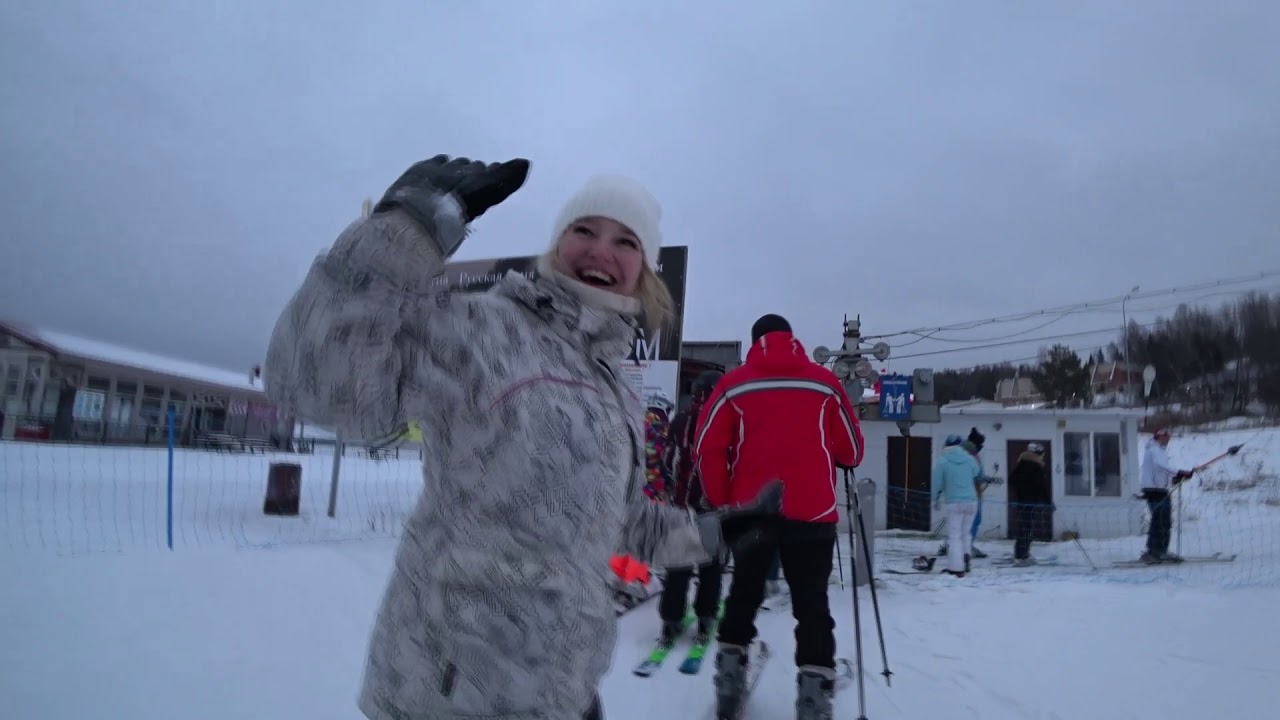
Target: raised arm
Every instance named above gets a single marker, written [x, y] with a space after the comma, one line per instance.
[369, 342]
[360, 339]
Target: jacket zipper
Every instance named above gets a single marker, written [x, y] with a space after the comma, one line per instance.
[631, 431]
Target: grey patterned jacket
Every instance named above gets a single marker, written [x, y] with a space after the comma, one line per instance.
[498, 605]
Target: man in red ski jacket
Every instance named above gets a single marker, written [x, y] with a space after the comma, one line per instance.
[779, 416]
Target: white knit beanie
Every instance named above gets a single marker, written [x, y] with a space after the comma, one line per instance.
[620, 199]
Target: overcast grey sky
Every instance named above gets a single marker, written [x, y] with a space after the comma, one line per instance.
[169, 172]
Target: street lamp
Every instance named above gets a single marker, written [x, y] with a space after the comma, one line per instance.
[1128, 376]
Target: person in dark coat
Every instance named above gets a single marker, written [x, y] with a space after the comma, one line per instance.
[1030, 484]
[685, 491]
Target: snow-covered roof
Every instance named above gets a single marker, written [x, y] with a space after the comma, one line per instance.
[66, 344]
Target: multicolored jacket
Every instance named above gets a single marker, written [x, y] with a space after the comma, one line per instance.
[657, 435]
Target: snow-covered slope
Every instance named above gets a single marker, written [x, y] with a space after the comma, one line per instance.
[217, 634]
[215, 630]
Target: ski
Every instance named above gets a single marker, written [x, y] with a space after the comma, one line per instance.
[661, 649]
[757, 658]
[1192, 559]
[891, 571]
[1047, 562]
[1007, 561]
[693, 659]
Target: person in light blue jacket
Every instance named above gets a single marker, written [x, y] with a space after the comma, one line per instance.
[976, 440]
[955, 483]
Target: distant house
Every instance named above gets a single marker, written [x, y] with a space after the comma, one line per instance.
[1017, 391]
[1111, 387]
[65, 388]
[1093, 456]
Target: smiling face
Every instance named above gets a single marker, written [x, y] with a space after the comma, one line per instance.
[602, 253]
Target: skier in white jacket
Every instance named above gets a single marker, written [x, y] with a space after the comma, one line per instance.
[497, 606]
[1158, 477]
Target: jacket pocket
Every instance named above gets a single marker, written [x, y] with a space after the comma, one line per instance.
[495, 664]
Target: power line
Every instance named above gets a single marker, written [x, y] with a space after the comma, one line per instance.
[1087, 306]
[979, 343]
[1042, 338]
[935, 338]
[1019, 361]
[1089, 350]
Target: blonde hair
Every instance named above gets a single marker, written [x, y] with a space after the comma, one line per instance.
[657, 306]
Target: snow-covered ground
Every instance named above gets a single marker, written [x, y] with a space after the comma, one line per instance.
[255, 617]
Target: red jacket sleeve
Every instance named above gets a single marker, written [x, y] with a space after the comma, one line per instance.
[844, 431]
[713, 443]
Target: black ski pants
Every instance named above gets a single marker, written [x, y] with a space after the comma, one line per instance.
[805, 551]
[675, 592]
[594, 712]
[1028, 518]
[1161, 506]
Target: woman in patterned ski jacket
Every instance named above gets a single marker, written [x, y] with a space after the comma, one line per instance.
[497, 605]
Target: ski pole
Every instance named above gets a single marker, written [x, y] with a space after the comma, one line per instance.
[1082, 550]
[1178, 547]
[857, 617]
[1234, 449]
[840, 564]
[1230, 452]
[871, 581]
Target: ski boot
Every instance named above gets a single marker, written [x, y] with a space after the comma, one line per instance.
[706, 627]
[730, 680]
[671, 632]
[1150, 558]
[815, 691]
[1024, 562]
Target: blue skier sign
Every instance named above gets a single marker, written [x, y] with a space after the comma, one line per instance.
[895, 397]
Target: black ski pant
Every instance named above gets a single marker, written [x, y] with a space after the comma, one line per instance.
[1161, 506]
[1028, 518]
[594, 712]
[805, 551]
[675, 592]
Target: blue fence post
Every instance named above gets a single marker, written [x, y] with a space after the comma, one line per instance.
[169, 511]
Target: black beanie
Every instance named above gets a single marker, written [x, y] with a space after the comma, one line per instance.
[977, 438]
[767, 324]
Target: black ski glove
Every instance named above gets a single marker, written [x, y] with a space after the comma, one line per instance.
[476, 186]
[767, 502]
